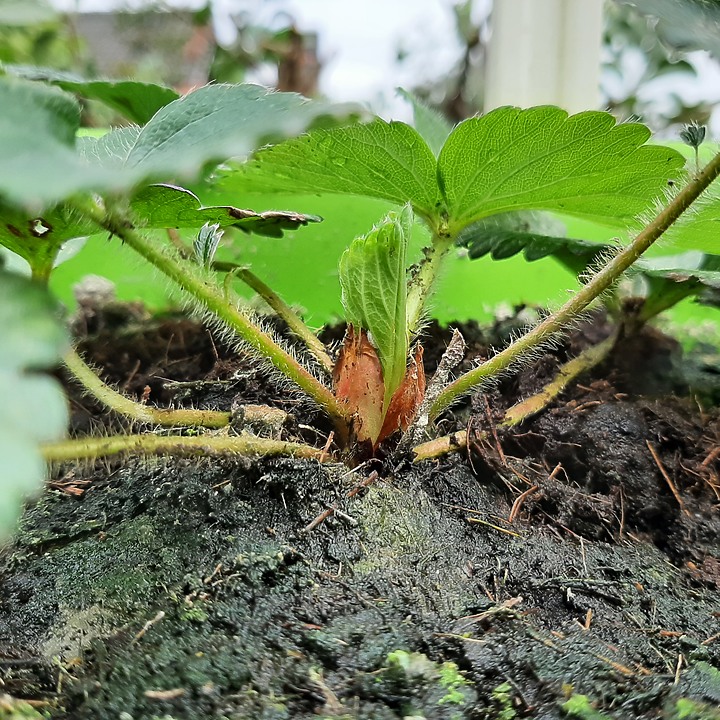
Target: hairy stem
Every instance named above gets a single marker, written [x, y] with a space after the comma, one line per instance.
[422, 283]
[279, 306]
[92, 448]
[212, 297]
[123, 405]
[570, 371]
[286, 313]
[598, 284]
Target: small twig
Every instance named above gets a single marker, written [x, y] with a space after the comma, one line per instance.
[451, 358]
[584, 557]
[493, 430]
[326, 447]
[329, 512]
[165, 695]
[714, 453]
[678, 668]
[519, 500]
[147, 626]
[440, 446]
[667, 477]
[479, 521]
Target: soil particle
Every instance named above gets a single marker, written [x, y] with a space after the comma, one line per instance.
[178, 589]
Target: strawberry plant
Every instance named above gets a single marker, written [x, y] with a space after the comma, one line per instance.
[130, 184]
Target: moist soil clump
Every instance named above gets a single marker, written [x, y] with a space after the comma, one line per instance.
[566, 568]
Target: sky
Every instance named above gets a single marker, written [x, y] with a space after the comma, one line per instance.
[358, 41]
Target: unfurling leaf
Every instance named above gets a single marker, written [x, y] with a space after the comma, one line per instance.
[374, 293]
[693, 135]
[372, 374]
[206, 243]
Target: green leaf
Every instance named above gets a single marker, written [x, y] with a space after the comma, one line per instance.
[699, 229]
[33, 409]
[580, 707]
[137, 101]
[667, 286]
[41, 165]
[374, 293]
[506, 235]
[583, 165]
[169, 206]
[379, 159]
[38, 238]
[431, 125]
[218, 122]
[37, 137]
[206, 244]
[109, 150]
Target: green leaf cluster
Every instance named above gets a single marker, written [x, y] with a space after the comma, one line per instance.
[510, 159]
[33, 408]
[42, 165]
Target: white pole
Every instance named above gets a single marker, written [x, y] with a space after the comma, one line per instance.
[545, 52]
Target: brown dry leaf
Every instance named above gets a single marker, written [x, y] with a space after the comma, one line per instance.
[358, 381]
[406, 399]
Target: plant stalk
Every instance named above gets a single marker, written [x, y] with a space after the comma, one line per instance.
[123, 405]
[286, 313]
[422, 283]
[440, 446]
[598, 284]
[279, 306]
[586, 360]
[92, 448]
[213, 299]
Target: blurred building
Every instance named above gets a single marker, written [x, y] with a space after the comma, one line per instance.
[168, 47]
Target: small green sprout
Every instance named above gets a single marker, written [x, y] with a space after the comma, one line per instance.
[206, 243]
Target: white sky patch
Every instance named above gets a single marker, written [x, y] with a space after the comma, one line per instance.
[358, 41]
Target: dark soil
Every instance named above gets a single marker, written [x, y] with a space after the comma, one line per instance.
[171, 588]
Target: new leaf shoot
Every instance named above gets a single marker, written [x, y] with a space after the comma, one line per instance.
[374, 293]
